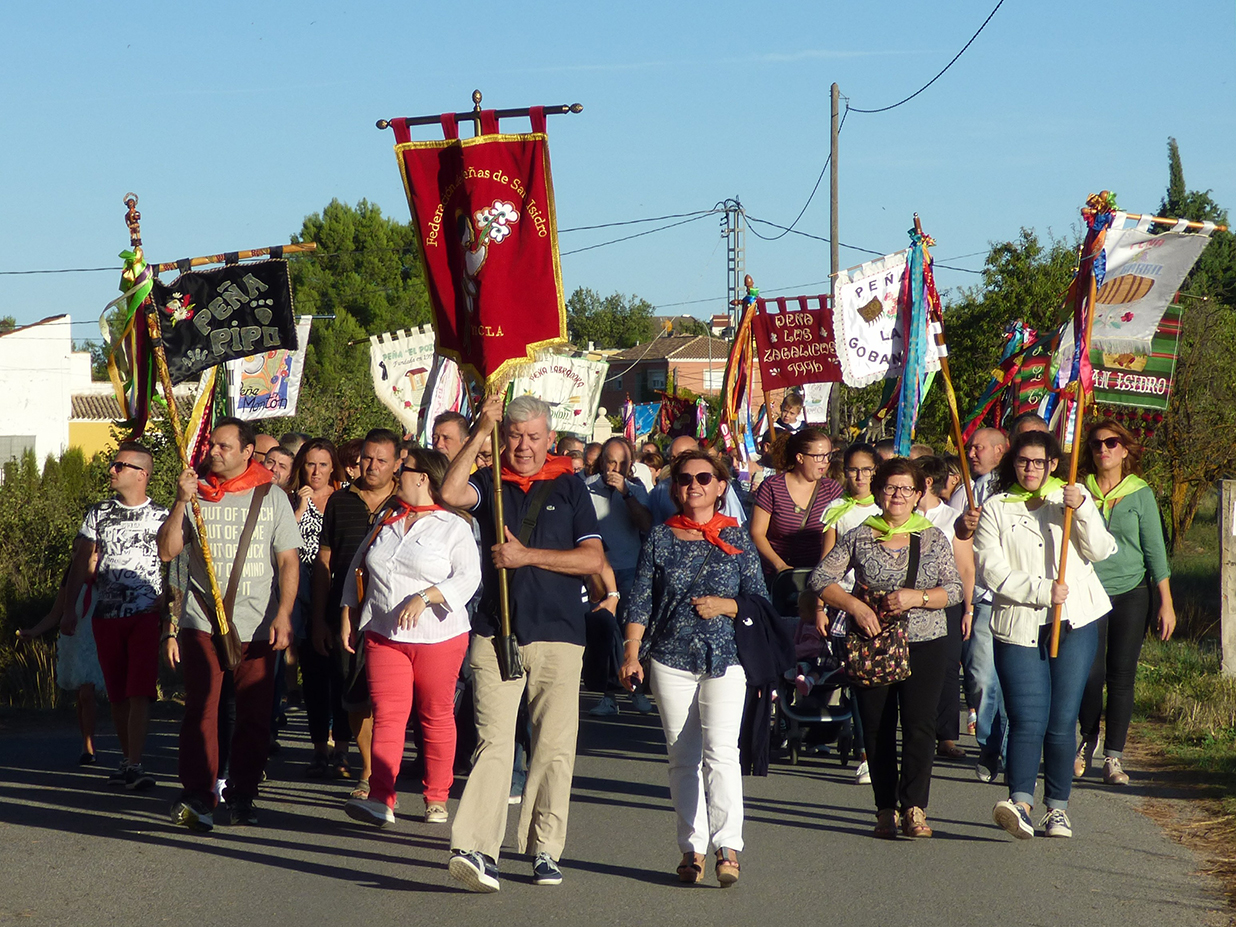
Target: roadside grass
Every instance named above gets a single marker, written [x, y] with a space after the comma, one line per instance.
[1181, 691]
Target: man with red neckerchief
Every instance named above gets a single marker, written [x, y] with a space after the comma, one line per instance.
[547, 618]
[261, 617]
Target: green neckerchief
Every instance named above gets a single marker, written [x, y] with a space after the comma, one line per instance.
[883, 530]
[1020, 494]
[1126, 487]
[833, 513]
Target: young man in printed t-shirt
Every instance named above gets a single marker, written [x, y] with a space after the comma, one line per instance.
[261, 618]
[128, 596]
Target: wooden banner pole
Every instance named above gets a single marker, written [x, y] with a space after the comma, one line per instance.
[508, 647]
[951, 396]
[133, 221]
[303, 248]
[1074, 457]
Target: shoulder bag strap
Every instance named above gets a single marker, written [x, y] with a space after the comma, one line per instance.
[535, 504]
[810, 505]
[242, 548]
[916, 545]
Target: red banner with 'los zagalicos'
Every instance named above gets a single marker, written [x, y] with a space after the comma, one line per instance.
[483, 208]
[794, 342]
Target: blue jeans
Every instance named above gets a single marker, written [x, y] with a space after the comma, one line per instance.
[1042, 696]
[983, 687]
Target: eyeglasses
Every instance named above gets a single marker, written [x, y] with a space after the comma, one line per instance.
[859, 471]
[118, 465]
[1110, 443]
[1031, 463]
[819, 458]
[899, 490]
[686, 479]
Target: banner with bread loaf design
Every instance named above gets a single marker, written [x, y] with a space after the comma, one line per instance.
[1143, 272]
[868, 321]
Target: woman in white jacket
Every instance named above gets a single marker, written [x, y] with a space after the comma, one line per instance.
[1017, 549]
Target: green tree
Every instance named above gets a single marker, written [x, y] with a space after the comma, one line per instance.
[1022, 279]
[615, 321]
[7, 324]
[367, 274]
[1194, 444]
[690, 325]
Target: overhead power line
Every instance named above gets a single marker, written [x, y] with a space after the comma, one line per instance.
[885, 109]
[662, 228]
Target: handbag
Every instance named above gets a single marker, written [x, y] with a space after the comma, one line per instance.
[229, 646]
[884, 658]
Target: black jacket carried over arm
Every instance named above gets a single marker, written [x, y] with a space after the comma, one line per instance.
[766, 649]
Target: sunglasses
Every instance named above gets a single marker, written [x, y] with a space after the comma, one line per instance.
[1110, 443]
[686, 479]
[119, 465]
[410, 470]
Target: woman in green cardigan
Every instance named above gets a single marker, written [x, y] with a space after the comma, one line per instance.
[1113, 459]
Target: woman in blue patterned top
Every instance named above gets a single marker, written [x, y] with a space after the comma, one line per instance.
[681, 617]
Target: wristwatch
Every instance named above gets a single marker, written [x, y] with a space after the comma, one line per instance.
[424, 597]
[613, 595]
[924, 598]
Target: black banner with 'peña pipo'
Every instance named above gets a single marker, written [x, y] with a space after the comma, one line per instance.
[219, 315]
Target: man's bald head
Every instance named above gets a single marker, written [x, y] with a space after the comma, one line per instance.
[682, 443]
[261, 445]
[986, 449]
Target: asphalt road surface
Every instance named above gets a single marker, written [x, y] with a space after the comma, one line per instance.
[75, 853]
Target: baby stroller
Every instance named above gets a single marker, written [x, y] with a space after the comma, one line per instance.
[813, 702]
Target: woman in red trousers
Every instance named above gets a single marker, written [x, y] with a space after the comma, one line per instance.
[418, 569]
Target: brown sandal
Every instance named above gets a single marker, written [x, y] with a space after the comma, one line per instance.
[691, 869]
[914, 823]
[886, 824]
[727, 867]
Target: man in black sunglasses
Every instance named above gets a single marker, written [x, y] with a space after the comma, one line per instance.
[129, 601]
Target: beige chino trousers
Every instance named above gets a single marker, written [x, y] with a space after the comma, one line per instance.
[551, 677]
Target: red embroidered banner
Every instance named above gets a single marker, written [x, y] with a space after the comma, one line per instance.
[484, 212]
[795, 342]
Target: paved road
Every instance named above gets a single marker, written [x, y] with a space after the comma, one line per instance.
[74, 853]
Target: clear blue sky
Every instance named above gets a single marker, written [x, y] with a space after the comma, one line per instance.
[236, 120]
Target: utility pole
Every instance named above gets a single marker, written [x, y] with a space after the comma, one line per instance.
[734, 231]
[834, 251]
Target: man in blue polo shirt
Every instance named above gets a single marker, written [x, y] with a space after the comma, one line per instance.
[547, 618]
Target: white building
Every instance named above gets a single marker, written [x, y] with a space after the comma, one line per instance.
[36, 386]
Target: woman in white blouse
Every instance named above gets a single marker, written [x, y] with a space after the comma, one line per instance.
[1017, 548]
[418, 569]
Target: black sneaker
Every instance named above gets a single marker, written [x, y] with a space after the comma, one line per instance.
[545, 871]
[319, 767]
[138, 780]
[242, 811]
[476, 871]
[120, 778]
[191, 813]
[86, 759]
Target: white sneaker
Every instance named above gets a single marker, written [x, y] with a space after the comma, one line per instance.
[1056, 823]
[220, 785]
[862, 775]
[604, 708]
[1013, 818]
[369, 812]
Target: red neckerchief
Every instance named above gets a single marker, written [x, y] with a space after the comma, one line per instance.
[402, 510]
[555, 466]
[212, 489]
[711, 529]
